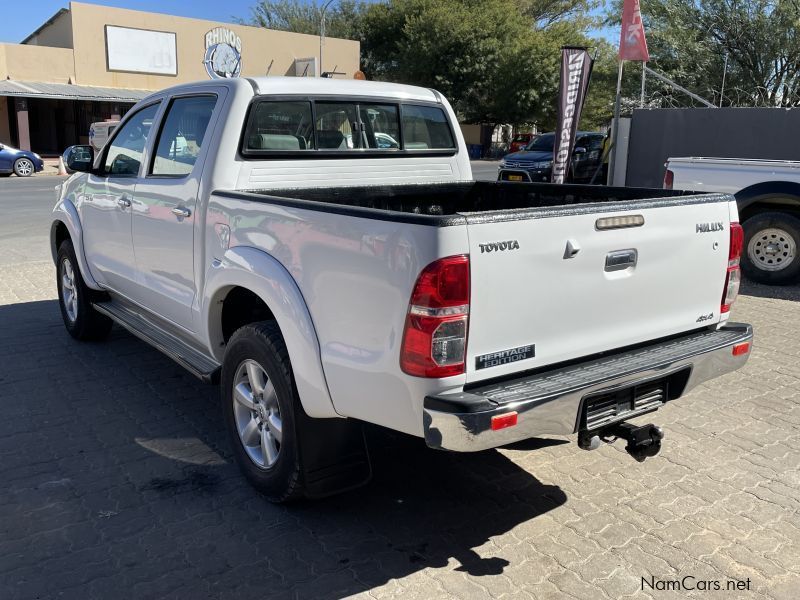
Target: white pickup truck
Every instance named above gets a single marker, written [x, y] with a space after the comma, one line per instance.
[768, 196]
[327, 278]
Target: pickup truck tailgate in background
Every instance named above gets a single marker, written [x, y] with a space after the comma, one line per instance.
[550, 286]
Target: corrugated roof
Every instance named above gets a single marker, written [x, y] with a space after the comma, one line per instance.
[36, 89]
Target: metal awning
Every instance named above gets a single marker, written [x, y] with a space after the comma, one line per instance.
[66, 91]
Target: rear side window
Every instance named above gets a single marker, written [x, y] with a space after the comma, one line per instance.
[182, 134]
[426, 128]
[280, 126]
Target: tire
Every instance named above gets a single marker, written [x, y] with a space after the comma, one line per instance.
[771, 244]
[24, 167]
[75, 299]
[256, 359]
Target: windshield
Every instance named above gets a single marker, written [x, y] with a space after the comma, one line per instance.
[542, 143]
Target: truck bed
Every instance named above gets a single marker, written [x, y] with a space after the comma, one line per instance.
[450, 199]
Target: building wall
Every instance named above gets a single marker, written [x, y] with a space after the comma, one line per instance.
[56, 34]
[259, 47]
[36, 63]
[5, 131]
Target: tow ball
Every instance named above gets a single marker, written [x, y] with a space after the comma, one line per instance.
[643, 441]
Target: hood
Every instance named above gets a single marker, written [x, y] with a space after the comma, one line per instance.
[536, 155]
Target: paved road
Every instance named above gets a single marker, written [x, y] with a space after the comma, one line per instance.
[25, 206]
[117, 481]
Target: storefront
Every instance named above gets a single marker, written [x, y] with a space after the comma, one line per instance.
[91, 63]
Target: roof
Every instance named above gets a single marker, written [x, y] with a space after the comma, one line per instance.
[50, 21]
[346, 87]
[67, 91]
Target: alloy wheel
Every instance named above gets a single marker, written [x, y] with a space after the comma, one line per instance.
[257, 414]
[69, 292]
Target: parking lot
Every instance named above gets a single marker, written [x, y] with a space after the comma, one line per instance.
[117, 480]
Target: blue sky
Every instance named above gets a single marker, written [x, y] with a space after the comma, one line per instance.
[15, 25]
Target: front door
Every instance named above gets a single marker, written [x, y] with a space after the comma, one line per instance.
[109, 196]
[164, 214]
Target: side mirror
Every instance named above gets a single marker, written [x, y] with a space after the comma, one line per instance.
[579, 150]
[79, 158]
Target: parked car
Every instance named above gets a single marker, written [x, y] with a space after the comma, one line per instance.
[768, 196]
[535, 162]
[100, 131]
[520, 141]
[22, 163]
[324, 286]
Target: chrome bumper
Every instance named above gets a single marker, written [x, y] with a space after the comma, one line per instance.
[551, 402]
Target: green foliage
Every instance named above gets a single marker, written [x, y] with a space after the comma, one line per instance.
[497, 61]
[690, 39]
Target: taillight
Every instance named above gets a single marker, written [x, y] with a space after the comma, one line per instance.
[734, 275]
[669, 178]
[435, 336]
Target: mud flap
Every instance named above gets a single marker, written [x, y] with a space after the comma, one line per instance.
[334, 455]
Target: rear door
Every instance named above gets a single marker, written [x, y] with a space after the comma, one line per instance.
[564, 283]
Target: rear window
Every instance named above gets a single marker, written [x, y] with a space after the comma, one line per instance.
[277, 127]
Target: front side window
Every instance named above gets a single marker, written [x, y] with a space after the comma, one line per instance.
[124, 155]
[426, 128]
[280, 126]
[182, 134]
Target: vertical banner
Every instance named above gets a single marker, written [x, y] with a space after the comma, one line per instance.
[576, 69]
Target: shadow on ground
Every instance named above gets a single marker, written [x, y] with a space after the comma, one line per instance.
[117, 476]
[779, 292]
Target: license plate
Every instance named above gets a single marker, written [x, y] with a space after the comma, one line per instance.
[515, 177]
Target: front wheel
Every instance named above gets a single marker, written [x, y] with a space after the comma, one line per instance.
[82, 321]
[23, 167]
[771, 241]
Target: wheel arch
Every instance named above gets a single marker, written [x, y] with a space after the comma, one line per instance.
[66, 224]
[247, 277]
[768, 195]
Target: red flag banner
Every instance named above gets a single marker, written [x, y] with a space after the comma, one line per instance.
[632, 44]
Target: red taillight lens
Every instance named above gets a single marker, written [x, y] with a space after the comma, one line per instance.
[734, 275]
[740, 349]
[669, 178]
[435, 336]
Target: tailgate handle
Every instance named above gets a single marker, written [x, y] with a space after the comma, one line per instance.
[621, 259]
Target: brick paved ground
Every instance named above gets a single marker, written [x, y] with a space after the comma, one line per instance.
[116, 482]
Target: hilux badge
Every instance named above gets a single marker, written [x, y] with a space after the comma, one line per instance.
[708, 227]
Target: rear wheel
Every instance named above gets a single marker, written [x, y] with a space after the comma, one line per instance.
[771, 246]
[82, 321]
[260, 403]
[23, 167]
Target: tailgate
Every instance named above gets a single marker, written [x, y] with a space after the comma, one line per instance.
[549, 286]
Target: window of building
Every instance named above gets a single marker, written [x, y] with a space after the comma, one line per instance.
[182, 134]
[280, 126]
[124, 154]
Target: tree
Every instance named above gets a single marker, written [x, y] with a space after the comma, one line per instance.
[497, 61]
[689, 41]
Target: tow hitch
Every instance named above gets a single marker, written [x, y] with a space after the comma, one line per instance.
[642, 441]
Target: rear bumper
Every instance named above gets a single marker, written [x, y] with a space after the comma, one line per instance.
[551, 402]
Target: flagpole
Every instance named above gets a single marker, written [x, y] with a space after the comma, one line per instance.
[644, 73]
[615, 128]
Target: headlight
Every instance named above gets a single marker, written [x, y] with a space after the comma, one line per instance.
[37, 156]
[502, 162]
[543, 165]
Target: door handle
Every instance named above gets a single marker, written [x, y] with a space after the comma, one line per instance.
[123, 201]
[181, 212]
[621, 259]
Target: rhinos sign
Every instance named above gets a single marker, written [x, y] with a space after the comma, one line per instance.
[223, 53]
[576, 69]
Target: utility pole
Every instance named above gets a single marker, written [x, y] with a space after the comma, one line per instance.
[322, 32]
